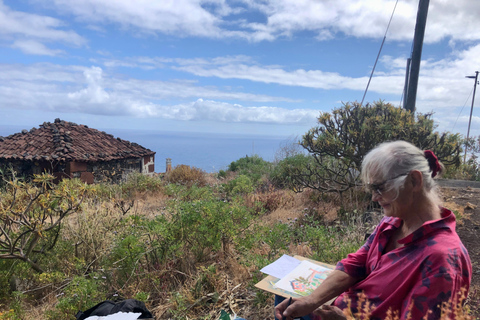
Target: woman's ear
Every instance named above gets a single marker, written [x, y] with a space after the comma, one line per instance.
[416, 180]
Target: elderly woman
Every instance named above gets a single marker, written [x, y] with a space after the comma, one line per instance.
[413, 261]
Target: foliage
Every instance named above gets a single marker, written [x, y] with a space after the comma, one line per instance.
[253, 167]
[275, 237]
[470, 168]
[193, 193]
[138, 182]
[287, 171]
[209, 226]
[182, 249]
[81, 293]
[241, 185]
[222, 174]
[31, 215]
[344, 136]
[270, 200]
[186, 175]
[328, 242]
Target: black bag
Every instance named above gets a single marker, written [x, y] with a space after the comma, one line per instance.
[108, 307]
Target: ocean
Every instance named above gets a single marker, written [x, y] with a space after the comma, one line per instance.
[207, 151]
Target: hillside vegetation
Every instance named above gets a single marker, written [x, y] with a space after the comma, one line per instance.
[186, 250]
[190, 244]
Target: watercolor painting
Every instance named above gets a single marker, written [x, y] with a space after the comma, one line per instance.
[304, 279]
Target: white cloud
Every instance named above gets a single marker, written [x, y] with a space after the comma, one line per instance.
[366, 19]
[94, 93]
[89, 90]
[28, 31]
[283, 18]
[226, 112]
[456, 20]
[242, 68]
[35, 47]
[179, 17]
[442, 82]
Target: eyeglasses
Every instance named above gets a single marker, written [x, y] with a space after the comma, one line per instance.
[379, 188]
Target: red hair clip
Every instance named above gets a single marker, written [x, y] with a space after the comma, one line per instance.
[432, 162]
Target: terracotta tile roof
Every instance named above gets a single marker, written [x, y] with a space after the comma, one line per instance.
[67, 141]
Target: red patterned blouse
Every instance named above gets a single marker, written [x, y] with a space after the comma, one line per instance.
[431, 267]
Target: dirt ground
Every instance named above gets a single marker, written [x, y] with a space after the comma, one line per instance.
[466, 202]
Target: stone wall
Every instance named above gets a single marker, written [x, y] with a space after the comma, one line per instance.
[101, 171]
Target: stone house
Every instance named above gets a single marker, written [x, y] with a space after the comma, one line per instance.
[69, 150]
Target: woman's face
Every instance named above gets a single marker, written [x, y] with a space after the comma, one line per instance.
[394, 204]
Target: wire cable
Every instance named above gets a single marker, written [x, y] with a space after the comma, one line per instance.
[460, 113]
[378, 56]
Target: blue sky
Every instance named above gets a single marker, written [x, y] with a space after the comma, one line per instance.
[220, 66]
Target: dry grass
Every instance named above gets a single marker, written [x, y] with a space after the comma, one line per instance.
[150, 205]
[453, 309]
[187, 289]
[473, 300]
[186, 175]
[271, 199]
[295, 205]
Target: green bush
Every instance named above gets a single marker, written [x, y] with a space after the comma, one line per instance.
[286, 172]
[209, 226]
[277, 237]
[222, 174]
[253, 167]
[80, 294]
[241, 185]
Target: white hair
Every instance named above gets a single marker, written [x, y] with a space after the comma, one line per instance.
[394, 159]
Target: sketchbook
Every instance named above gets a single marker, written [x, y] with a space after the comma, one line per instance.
[300, 281]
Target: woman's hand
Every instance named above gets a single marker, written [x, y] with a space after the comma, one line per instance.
[329, 313]
[297, 308]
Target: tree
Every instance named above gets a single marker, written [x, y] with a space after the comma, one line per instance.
[31, 215]
[344, 136]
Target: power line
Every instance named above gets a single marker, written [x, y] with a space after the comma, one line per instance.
[378, 56]
[460, 113]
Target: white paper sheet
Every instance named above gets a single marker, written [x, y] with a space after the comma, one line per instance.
[281, 267]
[117, 316]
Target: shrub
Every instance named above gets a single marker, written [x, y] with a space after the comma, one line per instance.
[277, 237]
[80, 294]
[209, 226]
[187, 176]
[137, 182]
[222, 174]
[253, 167]
[31, 215]
[287, 171]
[470, 168]
[241, 185]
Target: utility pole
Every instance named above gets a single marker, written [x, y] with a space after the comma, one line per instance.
[411, 93]
[407, 77]
[471, 111]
